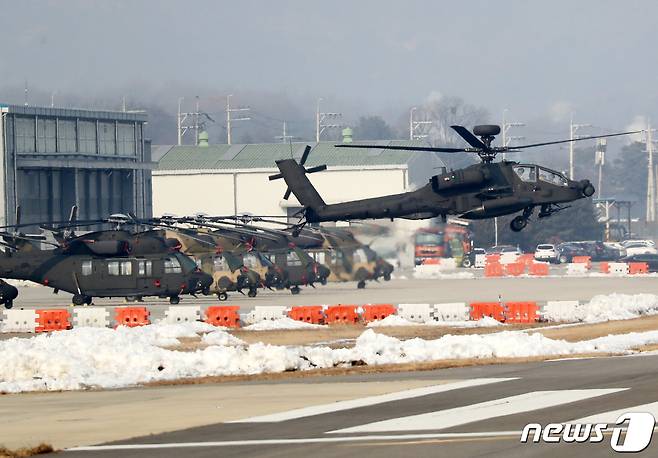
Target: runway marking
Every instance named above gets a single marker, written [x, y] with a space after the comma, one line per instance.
[611, 416]
[482, 411]
[310, 440]
[370, 400]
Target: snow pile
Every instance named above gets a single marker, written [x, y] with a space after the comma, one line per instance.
[426, 271]
[281, 324]
[613, 307]
[220, 337]
[392, 320]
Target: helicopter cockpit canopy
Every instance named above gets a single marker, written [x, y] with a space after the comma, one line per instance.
[530, 173]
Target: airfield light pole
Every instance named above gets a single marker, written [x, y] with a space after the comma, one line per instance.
[229, 119]
[651, 183]
[599, 159]
[324, 121]
[573, 135]
[285, 137]
[415, 125]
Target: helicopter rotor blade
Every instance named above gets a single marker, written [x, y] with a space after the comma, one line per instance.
[307, 151]
[533, 145]
[471, 139]
[430, 149]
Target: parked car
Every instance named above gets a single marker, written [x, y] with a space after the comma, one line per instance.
[634, 247]
[500, 249]
[650, 258]
[568, 250]
[546, 252]
[469, 258]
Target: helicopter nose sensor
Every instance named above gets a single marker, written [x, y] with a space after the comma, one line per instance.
[587, 188]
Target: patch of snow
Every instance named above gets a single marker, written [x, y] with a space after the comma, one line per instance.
[221, 338]
[612, 307]
[281, 324]
[392, 320]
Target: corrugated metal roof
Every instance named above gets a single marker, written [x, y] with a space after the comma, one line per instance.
[139, 116]
[263, 155]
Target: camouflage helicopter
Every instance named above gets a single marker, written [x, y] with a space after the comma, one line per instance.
[107, 263]
[479, 191]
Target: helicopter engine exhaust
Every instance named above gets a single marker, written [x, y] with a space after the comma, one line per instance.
[458, 179]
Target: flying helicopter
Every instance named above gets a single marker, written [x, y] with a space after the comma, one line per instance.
[480, 191]
[106, 263]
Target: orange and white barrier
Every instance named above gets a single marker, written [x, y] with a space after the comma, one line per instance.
[19, 320]
[182, 314]
[132, 316]
[417, 313]
[91, 317]
[267, 313]
[451, 311]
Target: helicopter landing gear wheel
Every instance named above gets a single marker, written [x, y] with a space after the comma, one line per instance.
[323, 281]
[173, 300]
[88, 300]
[78, 299]
[9, 304]
[205, 291]
[295, 290]
[387, 277]
[222, 296]
[252, 292]
[518, 224]
[361, 284]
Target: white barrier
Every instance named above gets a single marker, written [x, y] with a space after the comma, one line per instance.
[91, 317]
[418, 313]
[19, 321]
[618, 268]
[559, 310]
[577, 268]
[508, 258]
[182, 314]
[266, 313]
[452, 311]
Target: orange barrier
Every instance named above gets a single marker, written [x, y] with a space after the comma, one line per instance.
[583, 260]
[515, 269]
[307, 313]
[223, 315]
[539, 269]
[341, 314]
[491, 258]
[52, 320]
[527, 259]
[374, 312]
[638, 268]
[131, 316]
[605, 267]
[431, 261]
[520, 312]
[493, 269]
[493, 309]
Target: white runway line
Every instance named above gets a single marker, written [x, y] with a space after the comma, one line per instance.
[369, 401]
[482, 411]
[611, 416]
[311, 440]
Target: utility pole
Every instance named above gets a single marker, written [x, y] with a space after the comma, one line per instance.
[285, 137]
[573, 135]
[414, 126]
[186, 121]
[651, 183]
[599, 159]
[505, 130]
[325, 121]
[229, 119]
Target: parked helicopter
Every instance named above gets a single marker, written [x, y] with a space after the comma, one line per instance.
[479, 191]
[110, 263]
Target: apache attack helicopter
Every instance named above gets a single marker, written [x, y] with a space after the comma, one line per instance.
[110, 263]
[479, 191]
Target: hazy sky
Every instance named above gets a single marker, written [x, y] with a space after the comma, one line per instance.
[539, 59]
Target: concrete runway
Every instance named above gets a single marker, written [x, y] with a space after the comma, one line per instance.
[483, 420]
[396, 291]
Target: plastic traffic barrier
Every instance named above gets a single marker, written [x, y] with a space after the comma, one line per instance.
[491, 258]
[131, 316]
[266, 313]
[638, 268]
[538, 269]
[618, 268]
[91, 317]
[418, 313]
[587, 260]
[19, 320]
[520, 312]
[605, 267]
[576, 268]
[223, 315]
[341, 314]
[494, 310]
[493, 269]
[451, 311]
[307, 313]
[527, 258]
[53, 320]
[515, 269]
[182, 314]
[374, 312]
[559, 310]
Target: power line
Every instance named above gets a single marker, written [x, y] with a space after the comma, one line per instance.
[415, 126]
[323, 121]
[230, 119]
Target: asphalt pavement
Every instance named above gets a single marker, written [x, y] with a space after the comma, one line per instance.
[480, 414]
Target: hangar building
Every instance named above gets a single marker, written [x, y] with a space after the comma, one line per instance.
[233, 179]
[53, 158]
